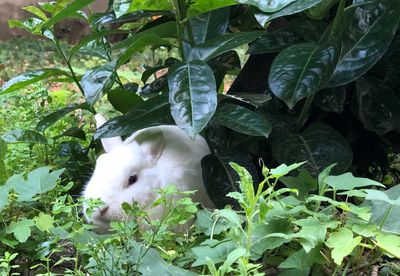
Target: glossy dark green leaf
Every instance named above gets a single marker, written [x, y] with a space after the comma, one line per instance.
[75, 132]
[155, 111]
[55, 116]
[97, 81]
[319, 11]
[203, 6]
[255, 100]
[28, 78]
[123, 100]
[109, 17]
[295, 7]
[69, 10]
[24, 136]
[209, 25]
[75, 160]
[319, 145]
[369, 28]
[309, 30]
[378, 105]
[268, 6]
[331, 99]
[242, 120]
[192, 95]
[221, 44]
[150, 71]
[220, 179]
[302, 70]
[274, 42]
[121, 7]
[151, 89]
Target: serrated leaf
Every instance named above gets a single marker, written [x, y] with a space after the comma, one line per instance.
[24, 136]
[389, 243]
[97, 81]
[302, 70]
[342, 244]
[31, 77]
[348, 182]
[242, 120]
[20, 229]
[192, 95]
[369, 28]
[319, 144]
[44, 222]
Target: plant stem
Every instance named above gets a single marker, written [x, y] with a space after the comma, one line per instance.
[179, 18]
[304, 113]
[69, 67]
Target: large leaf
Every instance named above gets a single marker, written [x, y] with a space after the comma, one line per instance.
[28, 78]
[24, 136]
[302, 70]
[202, 6]
[274, 42]
[342, 244]
[369, 28]
[268, 6]
[331, 99]
[243, 120]
[69, 10]
[20, 229]
[389, 243]
[209, 25]
[221, 44]
[123, 100]
[97, 81]
[348, 182]
[295, 7]
[150, 5]
[192, 95]
[378, 105]
[319, 144]
[154, 111]
[55, 116]
[385, 209]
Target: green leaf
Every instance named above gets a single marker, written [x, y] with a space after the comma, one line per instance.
[331, 99]
[67, 11]
[73, 132]
[152, 112]
[302, 70]
[39, 181]
[21, 229]
[284, 169]
[209, 25]
[319, 144]
[242, 120]
[385, 209]
[121, 7]
[322, 176]
[44, 222]
[31, 77]
[205, 222]
[369, 28]
[295, 7]
[274, 41]
[221, 44]
[342, 243]
[151, 5]
[36, 11]
[303, 182]
[389, 243]
[216, 250]
[318, 12]
[302, 260]
[268, 6]
[193, 95]
[202, 6]
[123, 100]
[348, 182]
[24, 136]
[55, 116]
[97, 81]
[378, 105]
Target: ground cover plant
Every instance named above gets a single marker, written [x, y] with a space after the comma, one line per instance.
[319, 84]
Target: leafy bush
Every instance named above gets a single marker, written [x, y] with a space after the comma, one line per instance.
[319, 85]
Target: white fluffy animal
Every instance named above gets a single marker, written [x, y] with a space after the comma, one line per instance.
[149, 159]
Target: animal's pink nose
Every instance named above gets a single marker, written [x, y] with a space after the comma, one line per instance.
[103, 211]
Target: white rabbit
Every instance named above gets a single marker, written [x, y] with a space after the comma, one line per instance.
[149, 159]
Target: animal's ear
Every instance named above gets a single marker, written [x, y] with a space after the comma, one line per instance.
[152, 142]
[108, 143]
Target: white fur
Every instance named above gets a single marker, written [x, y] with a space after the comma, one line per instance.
[159, 156]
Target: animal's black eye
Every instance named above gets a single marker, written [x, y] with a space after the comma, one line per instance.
[132, 179]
